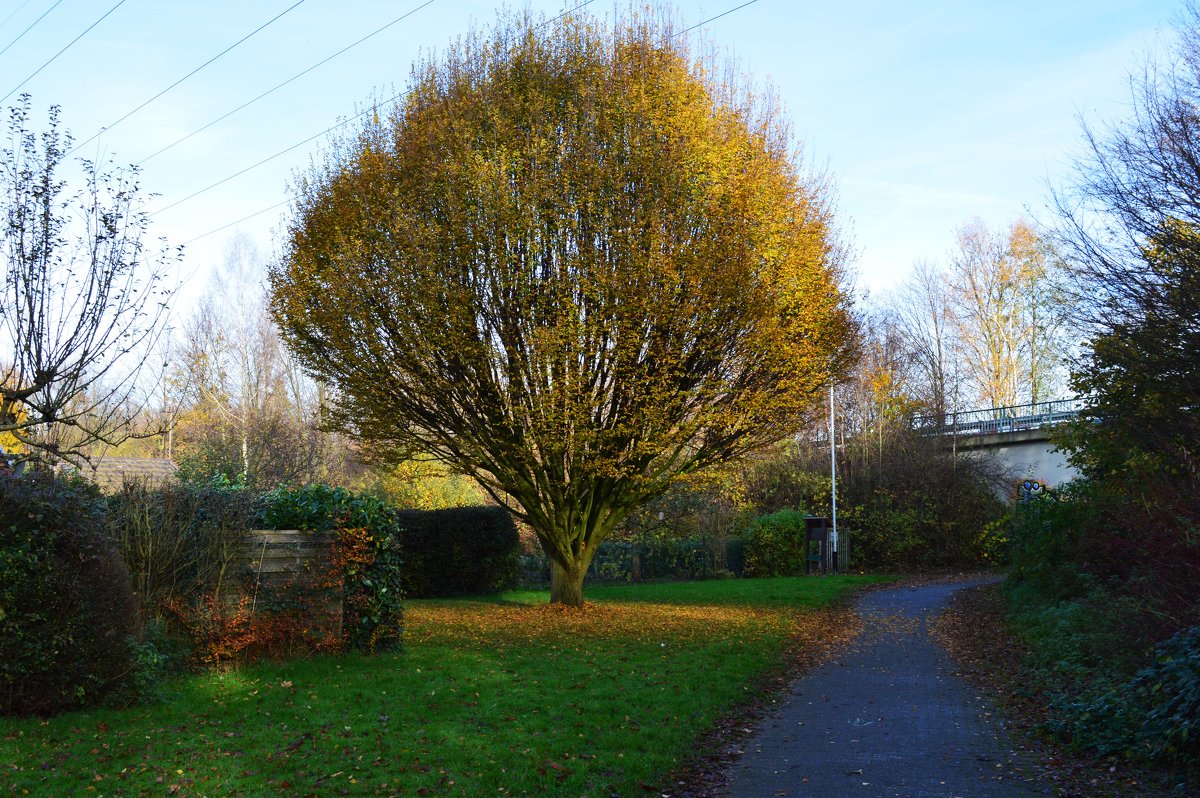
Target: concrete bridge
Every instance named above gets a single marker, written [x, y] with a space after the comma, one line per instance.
[1019, 436]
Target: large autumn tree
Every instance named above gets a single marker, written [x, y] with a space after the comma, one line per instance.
[574, 262]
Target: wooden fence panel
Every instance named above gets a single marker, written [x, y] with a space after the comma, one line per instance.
[287, 559]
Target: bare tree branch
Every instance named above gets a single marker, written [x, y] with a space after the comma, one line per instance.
[83, 299]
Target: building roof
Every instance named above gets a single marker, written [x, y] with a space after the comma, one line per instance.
[111, 472]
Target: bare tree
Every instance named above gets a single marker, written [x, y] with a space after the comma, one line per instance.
[923, 315]
[1130, 230]
[248, 411]
[83, 300]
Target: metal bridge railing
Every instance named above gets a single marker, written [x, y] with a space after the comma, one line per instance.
[1001, 419]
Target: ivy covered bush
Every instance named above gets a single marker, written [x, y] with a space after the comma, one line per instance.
[1154, 716]
[368, 556]
[67, 611]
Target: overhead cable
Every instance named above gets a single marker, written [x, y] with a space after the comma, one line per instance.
[347, 121]
[364, 113]
[63, 50]
[15, 11]
[310, 139]
[95, 135]
[236, 221]
[35, 22]
[702, 23]
[278, 86]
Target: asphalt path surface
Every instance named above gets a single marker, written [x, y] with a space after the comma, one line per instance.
[887, 718]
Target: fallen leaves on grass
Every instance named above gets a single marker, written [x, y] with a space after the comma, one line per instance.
[516, 624]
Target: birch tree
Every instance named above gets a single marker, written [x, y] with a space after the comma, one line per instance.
[1008, 314]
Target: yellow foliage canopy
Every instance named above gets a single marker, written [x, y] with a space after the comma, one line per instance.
[573, 264]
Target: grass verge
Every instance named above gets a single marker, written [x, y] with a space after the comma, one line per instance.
[501, 696]
[976, 631]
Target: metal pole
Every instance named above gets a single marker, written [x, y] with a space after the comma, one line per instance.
[833, 535]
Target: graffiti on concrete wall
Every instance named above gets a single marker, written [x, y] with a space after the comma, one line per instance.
[1030, 489]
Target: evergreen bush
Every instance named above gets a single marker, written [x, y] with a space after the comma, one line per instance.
[775, 545]
[369, 556]
[67, 611]
[459, 551]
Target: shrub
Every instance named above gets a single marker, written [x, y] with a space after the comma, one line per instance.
[912, 505]
[180, 540]
[775, 544]
[1093, 584]
[623, 562]
[1171, 687]
[1154, 716]
[368, 556]
[735, 555]
[282, 623]
[619, 561]
[677, 559]
[67, 612]
[459, 551]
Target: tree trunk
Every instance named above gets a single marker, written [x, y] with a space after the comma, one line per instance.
[566, 584]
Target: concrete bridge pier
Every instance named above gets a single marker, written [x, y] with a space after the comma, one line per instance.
[1018, 436]
[1028, 456]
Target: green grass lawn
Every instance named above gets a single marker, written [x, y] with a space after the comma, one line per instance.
[498, 696]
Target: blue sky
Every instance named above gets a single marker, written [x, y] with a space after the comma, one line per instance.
[927, 113]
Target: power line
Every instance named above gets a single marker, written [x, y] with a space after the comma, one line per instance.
[324, 132]
[95, 135]
[15, 11]
[270, 158]
[718, 16]
[63, 50]
[275, 88]
[237, 221]
[568, 11]
[347, 121]
[35, 22]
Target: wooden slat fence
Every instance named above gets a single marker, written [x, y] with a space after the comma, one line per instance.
[286, 559]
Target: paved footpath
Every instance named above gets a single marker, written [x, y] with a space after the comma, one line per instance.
[888, 718]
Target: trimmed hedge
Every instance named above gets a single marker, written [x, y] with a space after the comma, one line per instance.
[623, 562]
[775, 545]
[458, 551]
[67, 611]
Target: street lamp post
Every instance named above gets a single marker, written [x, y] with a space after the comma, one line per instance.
[833, 534]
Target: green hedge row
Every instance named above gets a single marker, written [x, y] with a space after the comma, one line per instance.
[458, 551]
[622, 562]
